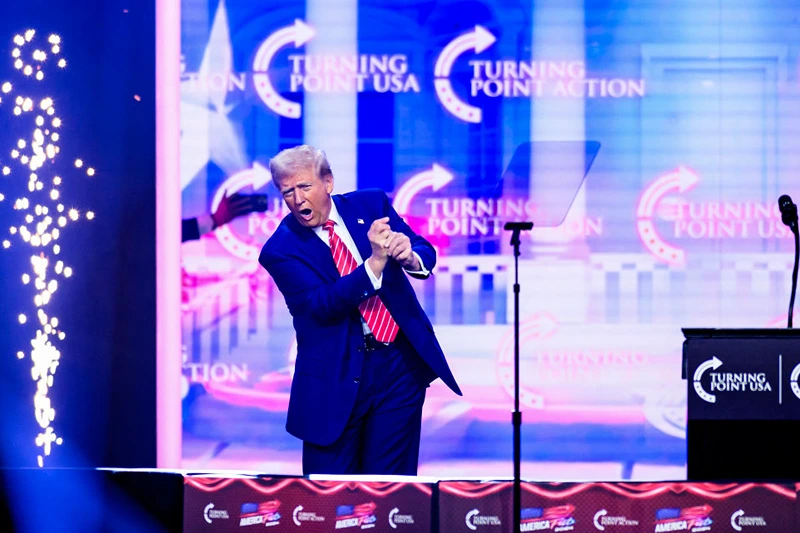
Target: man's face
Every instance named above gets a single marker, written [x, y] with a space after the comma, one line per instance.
[307, 197]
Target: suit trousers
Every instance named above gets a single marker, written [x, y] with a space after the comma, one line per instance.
[383, 432]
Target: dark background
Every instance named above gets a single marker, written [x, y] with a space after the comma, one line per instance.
[104, 389]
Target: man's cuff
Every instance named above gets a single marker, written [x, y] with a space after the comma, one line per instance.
[376, 282]
[424, 272]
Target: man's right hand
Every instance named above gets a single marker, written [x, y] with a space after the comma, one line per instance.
[378, 234]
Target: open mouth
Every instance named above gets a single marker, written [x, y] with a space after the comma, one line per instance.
[306, 213]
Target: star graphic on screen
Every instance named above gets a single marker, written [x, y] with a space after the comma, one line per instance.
[207, 132]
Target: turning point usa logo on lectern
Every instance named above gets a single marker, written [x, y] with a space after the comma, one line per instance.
[746, 384]
[728, 381]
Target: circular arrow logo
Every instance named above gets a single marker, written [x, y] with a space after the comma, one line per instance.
[698, 376]
[534, 328]
[680, 180]
[210, 514]
[298, 33]
[478, 40]
[600, 514]
[435, 178]
[468, 519]
[257, 177]
[795, 376]
[734, 524]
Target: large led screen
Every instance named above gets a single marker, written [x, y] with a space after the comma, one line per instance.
[647, 141]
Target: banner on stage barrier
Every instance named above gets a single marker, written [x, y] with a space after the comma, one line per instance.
[618, 507]
[675, 225]
[221, 504]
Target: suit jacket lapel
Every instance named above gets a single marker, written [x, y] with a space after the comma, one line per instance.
[311, 247]
[357, 225]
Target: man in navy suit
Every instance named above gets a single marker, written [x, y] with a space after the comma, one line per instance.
[366, 351]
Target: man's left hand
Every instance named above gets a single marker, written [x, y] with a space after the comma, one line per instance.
[399, 248]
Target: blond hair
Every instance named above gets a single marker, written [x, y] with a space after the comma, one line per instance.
[293, 161]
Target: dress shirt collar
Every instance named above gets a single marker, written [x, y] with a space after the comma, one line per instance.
[333, 215]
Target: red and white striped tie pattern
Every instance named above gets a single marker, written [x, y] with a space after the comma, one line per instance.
[375, 314]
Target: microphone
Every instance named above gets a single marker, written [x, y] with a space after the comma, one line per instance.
[524, 226]
[515, 228]
[789, 217]
[788, 212]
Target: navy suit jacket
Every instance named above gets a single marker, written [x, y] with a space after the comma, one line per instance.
[324, 308]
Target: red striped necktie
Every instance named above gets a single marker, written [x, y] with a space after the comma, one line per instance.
[375, 314]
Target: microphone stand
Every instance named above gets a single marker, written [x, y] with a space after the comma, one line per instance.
[793, 226]
[516, 415]
[789, 217]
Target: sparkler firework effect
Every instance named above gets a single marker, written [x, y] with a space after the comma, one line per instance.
[39, 216]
